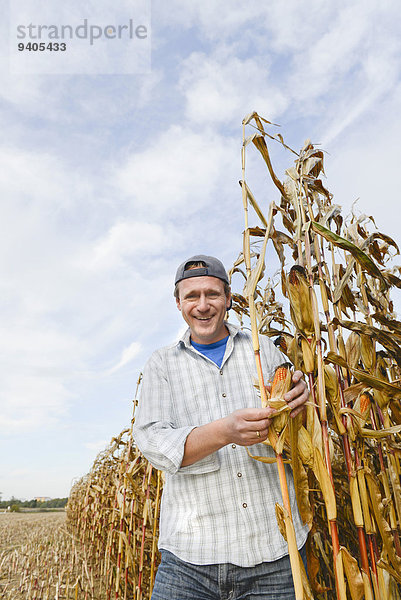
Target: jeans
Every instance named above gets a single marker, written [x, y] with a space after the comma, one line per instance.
[179, 580]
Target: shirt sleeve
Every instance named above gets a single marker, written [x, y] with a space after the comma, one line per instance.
[156, 434]
[272, 357]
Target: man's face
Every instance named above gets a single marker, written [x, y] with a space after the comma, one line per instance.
[203, 305]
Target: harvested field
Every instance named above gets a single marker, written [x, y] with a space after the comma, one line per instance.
[39, 559]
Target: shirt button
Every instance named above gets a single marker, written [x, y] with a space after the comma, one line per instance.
[245, 505]
[233, 446]
[221, 372]
[239, 474]
[224, 395]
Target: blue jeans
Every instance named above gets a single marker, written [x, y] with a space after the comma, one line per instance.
[179, 580]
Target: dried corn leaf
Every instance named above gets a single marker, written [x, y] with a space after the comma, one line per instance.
[365, 378]
[392, 324]
[254, 204]
[257, 272]
[383, 526]
[353, 349]
[353, 574]
[287, 530]
[260, 144]
[377, 235]
[363, 259]
[385, 338]
[319, 469]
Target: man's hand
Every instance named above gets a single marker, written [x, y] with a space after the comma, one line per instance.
[298, 394]
[248, 426]
[244, 427]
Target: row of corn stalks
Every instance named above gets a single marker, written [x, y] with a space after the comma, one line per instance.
[113, 514]
[333, 317]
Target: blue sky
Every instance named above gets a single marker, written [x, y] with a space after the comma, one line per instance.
[110, 181]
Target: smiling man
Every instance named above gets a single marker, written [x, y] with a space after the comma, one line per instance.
[203, 301]
[198, 412]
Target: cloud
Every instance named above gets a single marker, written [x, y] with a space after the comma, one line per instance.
[86, 52]
[178, 173]
[281, 28]
[222, 88]
[284, 60]
[380, 71]
[38, 179]
[232, 20]
[349, 68]
[32, 401]
[126, 240]
[40, 351]
[363, 164]
[59, 324]
[127, 355]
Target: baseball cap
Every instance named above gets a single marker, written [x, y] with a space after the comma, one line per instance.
[214, 268]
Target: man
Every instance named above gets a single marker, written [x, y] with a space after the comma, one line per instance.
[199, 410]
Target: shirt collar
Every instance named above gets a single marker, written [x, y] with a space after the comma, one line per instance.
[185, 339]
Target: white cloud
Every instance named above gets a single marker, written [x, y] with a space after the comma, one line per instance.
[32, 401]
[222, 88]
[335, 53]
[344, 119]
[363, 164]
[59, 321]
[125, 240]
[178, 173]
[180, 332]
[379, 75]
[293, 26]
[288, 24]
[86, 52]
[39, 179]
[350, 67]
[278, 56]
[127, 355]
[258, 28]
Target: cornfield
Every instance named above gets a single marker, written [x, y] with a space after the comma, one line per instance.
[40, 560]
[320, 286]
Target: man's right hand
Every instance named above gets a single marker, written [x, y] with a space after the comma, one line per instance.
[244, 427]
[248, 426]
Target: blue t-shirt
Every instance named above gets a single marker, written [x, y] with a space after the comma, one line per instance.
[213, 351]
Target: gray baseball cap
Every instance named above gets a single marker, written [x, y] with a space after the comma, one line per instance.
[214, 268]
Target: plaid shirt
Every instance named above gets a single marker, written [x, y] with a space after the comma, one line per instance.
[220, 509]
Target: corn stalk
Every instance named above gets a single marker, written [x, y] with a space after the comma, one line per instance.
[253, 276]
[350, 446]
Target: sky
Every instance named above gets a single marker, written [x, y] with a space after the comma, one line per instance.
[115, 169]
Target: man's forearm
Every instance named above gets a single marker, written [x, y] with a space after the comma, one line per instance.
[245, 427]
[203, 441]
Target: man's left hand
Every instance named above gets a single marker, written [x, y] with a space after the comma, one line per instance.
[298, 394]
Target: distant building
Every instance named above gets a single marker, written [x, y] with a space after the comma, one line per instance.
[42, 498]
